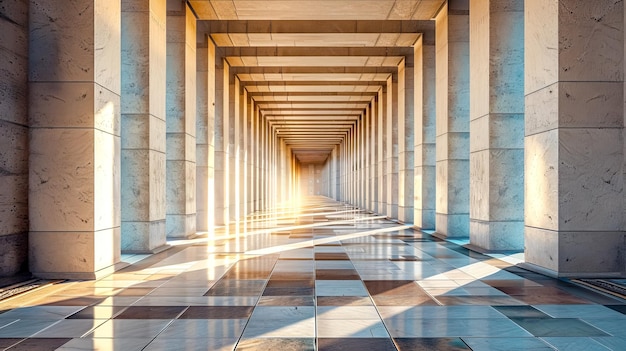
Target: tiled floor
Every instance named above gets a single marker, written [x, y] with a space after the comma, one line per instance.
[319, 277]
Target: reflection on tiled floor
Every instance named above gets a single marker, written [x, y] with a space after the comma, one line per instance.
[323, 276]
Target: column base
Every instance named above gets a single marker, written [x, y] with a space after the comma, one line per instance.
[497, 236]
[82, 275]
[143, 237]
[405, 214]
[13, 253]
[74, 255]
[180, 225]
[576, 254]
[452, 225]
[424, 219]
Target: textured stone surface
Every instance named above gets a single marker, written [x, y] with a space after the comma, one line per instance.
[452, 123]
[13, 253]
[574, 147]
[74, 176]
[181, 121]
[578, 254]
[83, 253]
[424, 138]
[497, 125]
[494, 235]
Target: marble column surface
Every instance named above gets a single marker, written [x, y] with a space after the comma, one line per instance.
[452, 122]
[574, 146]
[74, 115]
[181, 121]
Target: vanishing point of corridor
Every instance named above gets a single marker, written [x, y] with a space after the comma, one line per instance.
[321, 276]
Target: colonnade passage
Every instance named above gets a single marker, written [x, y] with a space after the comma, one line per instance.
[130, 126]
[317, 275]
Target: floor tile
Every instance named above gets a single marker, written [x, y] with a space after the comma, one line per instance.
[613, 343]
[618, 308]
[69, 328]
[521, 312]
[70, 301]
[24, 328]
[507, 344]
[280, 328]
[151, 312]
[39, 344]
[402, 300]
[343, 301]
[337, 274]
[340, 288]
[347, 312]
[351, 328]
[393, 287]
[575, 343]
[440, 312]
[307, 283]
[217, 312]
[428, 344]
[288, 291]
[273, 344]
[355, 344]
[130, 328]
[41, 312]
[197, 344]
[333, 256]
[581, 311]
[418, 328]
[286, 301]
[558, 327]
[135, 292]
[608, 325]
[6, 342]
[203, 328]
[479, 300]
[282, 312]
[98, 312]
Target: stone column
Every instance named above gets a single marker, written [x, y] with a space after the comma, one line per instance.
[425, 117]
[222, 124]
[366, 160]
[233, 152]
[249, 147]
[391, 119]
[382, 153]
[14, 138]
[372, 141]
[452, 126]
[143, 125]
[181, 120]
[74, 114]
[405, 141]
[205, 134]
[497, 124]
[361, 170]
[574, 190]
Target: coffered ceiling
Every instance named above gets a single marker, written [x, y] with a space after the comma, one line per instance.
[312, 67]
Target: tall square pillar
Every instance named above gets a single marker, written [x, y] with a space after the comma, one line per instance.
[424, 118]
[181, 120]
[74, 165]
[405, 141]
[497, 124]
[14, 138]
[574, 148]
[143, 125]
[452, 126]
[205, 134]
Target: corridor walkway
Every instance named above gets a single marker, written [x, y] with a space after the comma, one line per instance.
[320, 276]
